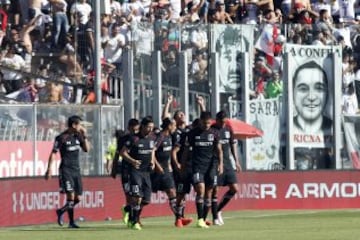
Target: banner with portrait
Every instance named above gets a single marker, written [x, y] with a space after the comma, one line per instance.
[229, 41]
[311, 105]
[263, 153]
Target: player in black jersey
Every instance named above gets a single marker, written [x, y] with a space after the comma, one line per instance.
[182, 172]
[162, 179]
[231, 165]
[123, 168]
[139, 151]
[69, 143]
[204, 142]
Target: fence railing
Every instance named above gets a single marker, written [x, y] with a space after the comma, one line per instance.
[27, 133]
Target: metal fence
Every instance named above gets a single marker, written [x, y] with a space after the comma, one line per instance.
[31, 128]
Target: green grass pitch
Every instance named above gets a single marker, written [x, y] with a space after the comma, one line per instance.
[247, 225]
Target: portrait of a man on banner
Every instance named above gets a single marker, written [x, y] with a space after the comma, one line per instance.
[311, 82]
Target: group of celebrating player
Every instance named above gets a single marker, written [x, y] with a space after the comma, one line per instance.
[173, 158]
[169, 159]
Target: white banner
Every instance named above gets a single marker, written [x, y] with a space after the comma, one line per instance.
[229, 41]
[311, 105]
[264, 152]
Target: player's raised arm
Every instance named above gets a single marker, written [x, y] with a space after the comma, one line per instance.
[201, 102]
[85, 146]
[166, 112]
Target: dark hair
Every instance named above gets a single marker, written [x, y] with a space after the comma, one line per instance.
[313, 65]
[133, 122]
[322, 12]
[165, 123]
[195, 123]
[176, 113]
[119, 133]
[205, 115]
[74, 120]
[146, 120]
[221, 115]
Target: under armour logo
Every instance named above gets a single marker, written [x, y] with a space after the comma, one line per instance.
[18, 202]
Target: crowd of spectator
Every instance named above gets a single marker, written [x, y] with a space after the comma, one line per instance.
[54, 39]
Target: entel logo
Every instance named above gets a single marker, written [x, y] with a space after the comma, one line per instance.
[18, 202]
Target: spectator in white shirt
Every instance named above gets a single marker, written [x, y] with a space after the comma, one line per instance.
[347, 10]
[12, 79]
[82, 10]
[114, 46]
[349, 101]
[116, 9]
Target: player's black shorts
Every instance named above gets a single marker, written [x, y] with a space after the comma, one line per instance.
[140, 184]
[207, 175]
[228, 177]
[70, 181]
[183, 181]
[125, 180]
[162, 182]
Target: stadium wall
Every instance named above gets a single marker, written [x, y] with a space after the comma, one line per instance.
[27, 201]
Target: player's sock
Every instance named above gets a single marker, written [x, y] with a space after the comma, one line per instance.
[179, 211]
[66, 206]
[127, 208]
[70, 211]
[214, 207]
[200, 206]
[227, 197]
[207, 206]
[172, 203]
[131, 215]
[136, 210]
[183, 210]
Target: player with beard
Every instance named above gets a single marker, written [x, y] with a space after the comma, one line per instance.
[181, 170]
[139, 151]
[162, 179]
[124, 166]
[228, 178]
[204, 143]
[69, 143]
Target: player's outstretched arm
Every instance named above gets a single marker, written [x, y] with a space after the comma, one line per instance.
[201, 102]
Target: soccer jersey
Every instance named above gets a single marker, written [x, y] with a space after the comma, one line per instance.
[203, 143]
[226, 138]
[69, 144]
[178, 139]
[141, 149]
[120, 144]
[163, 151]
